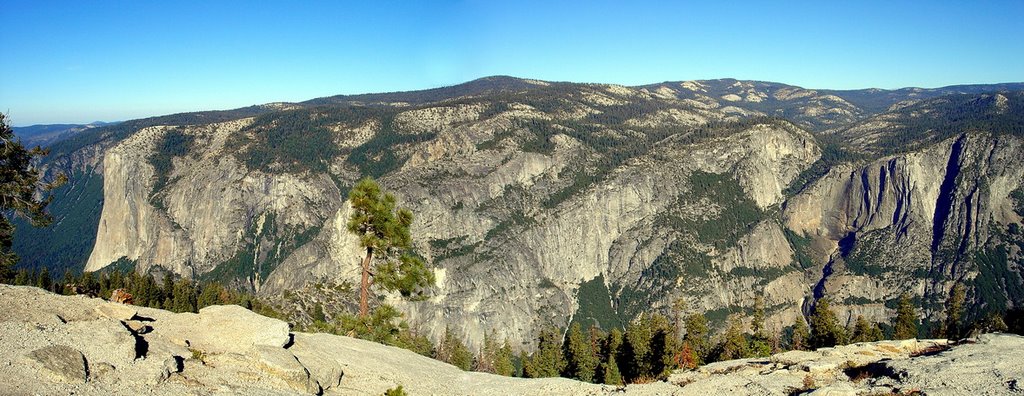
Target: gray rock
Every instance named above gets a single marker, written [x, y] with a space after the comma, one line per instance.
[230, 328]
[280, 363]
[100, 370]
[169, 366]
[137, 327]
[790, 358]
[116, 311]
[62, 363]
[321, 367]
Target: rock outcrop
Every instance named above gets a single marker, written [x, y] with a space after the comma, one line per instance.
[57, 357]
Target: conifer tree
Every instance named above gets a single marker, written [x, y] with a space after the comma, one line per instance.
[503, 361]
[610, 368]
[861, 330]
[759, 341]
[20, 186]
[825, 328]
[951, 327]
[548, 360]
[383, 232]
[580, 358]
[905, 324]
[800, 339]
[698, 336]
[734, 343]
[488, 353]
[451, 350]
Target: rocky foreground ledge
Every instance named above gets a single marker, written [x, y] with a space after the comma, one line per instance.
[52, 344]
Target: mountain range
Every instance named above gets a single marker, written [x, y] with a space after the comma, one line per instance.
[543, 203]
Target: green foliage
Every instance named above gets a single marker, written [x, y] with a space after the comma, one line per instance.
[581, 359]
[698, 336]
[905, 324]
[383, 231]
[548, 360]
[378, 156]
[825, 328]
[595, 308]
[293, 141]
[610, 370]
[503, 361]
[952, 327]
[68, 241]
[833, 153]
[997, 282]
[734, 344]
[650, 348]
[451, 350]
[801, 245]
[936, 120]
[20, 181]
[737, 216]
[801, 334]
[1017, 196]
[250, 262]
[383, 325]
[760, 339]
[174, 143]
[865, 332]
[396, 391]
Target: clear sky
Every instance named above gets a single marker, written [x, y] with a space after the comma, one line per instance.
[81, 61]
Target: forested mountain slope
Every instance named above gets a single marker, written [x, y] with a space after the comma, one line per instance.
[541, 203]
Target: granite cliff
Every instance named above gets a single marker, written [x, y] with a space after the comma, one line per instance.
[541, 203]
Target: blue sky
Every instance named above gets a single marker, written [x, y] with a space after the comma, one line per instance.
[81, 61]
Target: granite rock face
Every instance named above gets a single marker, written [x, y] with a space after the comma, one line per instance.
[528, 196]
[37, 358]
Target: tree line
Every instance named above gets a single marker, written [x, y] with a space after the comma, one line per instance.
[176, 295]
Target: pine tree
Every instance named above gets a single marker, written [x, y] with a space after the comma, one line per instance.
[734, 343]
[861, 330]
[384, 231]
[800, 339]
[183, 296]
[580, 358]
[905, 324]
[665, 345]
[610, 368]
[44, 281]
[759, 341]
[503, 361]
[451, 350]
[698, 336]
[875, 333]
[951, 327]
[548, 360]
[825, 328]
[22, 183]
[488, 353]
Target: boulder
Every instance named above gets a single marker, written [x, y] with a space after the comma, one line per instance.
[137, 327]
[231, 328]
[102, 340]
[280, 363]
[793, 357]
[122, 296]
[325, 370]
[100, 370]
[116, 311]
[169, 366]
[61, 362]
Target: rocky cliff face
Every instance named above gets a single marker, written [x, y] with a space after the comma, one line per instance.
[543, 203]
